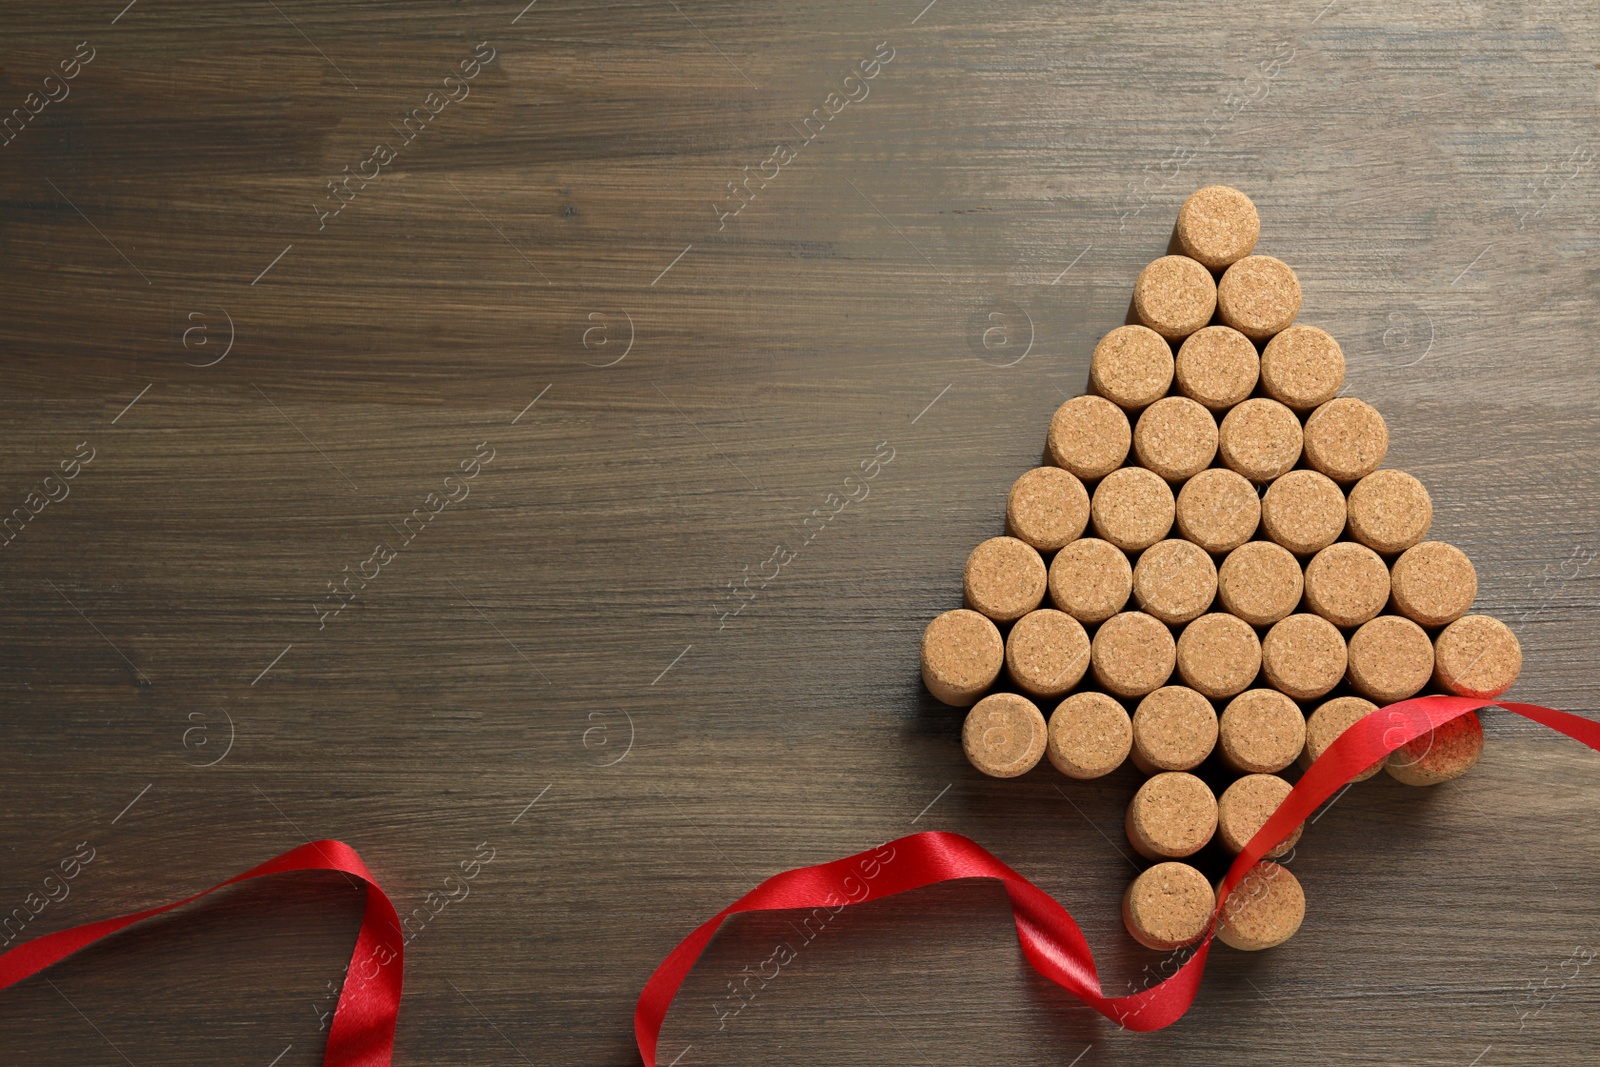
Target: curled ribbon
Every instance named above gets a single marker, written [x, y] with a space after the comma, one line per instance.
[1050, 940]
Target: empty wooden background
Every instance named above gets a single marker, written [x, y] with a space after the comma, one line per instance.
[928, 273]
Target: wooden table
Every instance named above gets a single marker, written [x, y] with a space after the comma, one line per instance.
[416, 502]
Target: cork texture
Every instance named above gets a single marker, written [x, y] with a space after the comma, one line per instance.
[1347, 584]
[1260, 439]
[1218, 509]
[1168, 906]
[1438, 755]
[1217, 366]
[1175, 581]
[1389, 511]
[1174, 729]
[1133, 508]
[1132, 654]
[1218, 226]
[1324, 725]
[1302, 367]
[1004, 579]
[1004, 735]
[1089, 436]
[1261, 731]
[1090, 736]
[1175, 437]
[1264, 910]
[1090, 580]
[1218, 655]
[1346, 439]
[1131, 367]
[1244, 808]
[1174, 296]
[1433, 583]
[1047, 653]
[961, 656]
[1477, 656]
[1303, 511]
[1391, 658]
[1258, 296]
[1260, 582]
[1172, 815]
[1047, 507]
[1304, 656]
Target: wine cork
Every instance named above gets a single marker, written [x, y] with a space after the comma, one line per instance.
[1438, 755]
[1004, 735]
[1261, 731]
[1176, 438]
[1346, 439]
[1218, 509]
[1132, 508]
[1391, 658]
[1258, 296]
[961, 656]
[1219, 655]
[1047, 653]
[1347, 584]
[1089, 736]
[1260, 582]
[1303, 656]
[1477, 656]
[1172, 815]
[1302, 367]
[1131, 367]
[1175, 581]
[1433, 583]
[1244, 808]
[1218, 226]
[1004, 579]
[1389, 511]
[1331, 719]
[1303, 511]
[1090, 580]
[1217, 366]
[1132, 654]
[1174, 729]
[1089, 436]
[1048, 508]
[1168, 906]
[1264, 910]
[1174, 296]
[1260, 439]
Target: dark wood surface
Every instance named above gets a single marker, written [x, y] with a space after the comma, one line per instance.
[556, 634]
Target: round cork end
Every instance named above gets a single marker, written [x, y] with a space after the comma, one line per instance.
[1477, 656]
[1304, 656]
[1132, 508]
[1174, 296]
[1131, 367]
[1048, 508]
[1347, 583]
[1172, 815]
[1304, 511]
[1433, 583]
[1217, 366]
[1324, 726]
[1389, 511]
[961, 656]
[1264, 910]
[1258, 296]
[1244, 808]
[1176, 438]
[1218, 509]
[1261, 732]
[1132, 654]
[1168, 906]
[1004, 735]
[1047, 653]
[1438, 755]
[1260, 582]
[1089, 736]
[1218, 226]
[1004, 579]
[1346, 439]
[1175, 581]
[1218, 655]
[1302, 367]
[1391, 658]
[1174, 729]
[1260, 439]
[1089, 436]
[1090, 580]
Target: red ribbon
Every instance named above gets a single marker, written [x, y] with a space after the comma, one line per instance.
[362, 1033]
[1050, 940]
